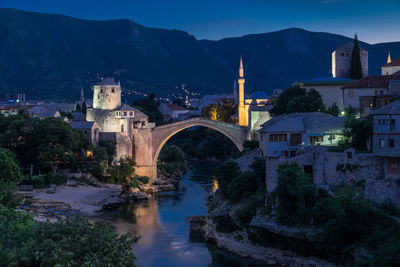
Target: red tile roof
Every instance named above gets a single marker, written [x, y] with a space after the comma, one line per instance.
[174, 107]
[372, 82]
[395, 62]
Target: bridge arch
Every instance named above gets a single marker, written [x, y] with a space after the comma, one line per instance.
[162, 134]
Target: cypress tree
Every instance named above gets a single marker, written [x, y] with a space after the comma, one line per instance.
[84, 107]
[78, 108]
[355, 64]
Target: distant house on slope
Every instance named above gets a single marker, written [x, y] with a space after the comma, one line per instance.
[386, 138]
[172, 111]
[371, 92]
[284, 134]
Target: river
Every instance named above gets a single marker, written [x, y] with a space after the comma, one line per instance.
[161, 223]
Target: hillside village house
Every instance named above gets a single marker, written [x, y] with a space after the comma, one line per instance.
[371, 92]
[386, 139]
[329, 89]
[172, 111]
[284, 134]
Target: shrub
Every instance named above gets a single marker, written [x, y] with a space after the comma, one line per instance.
[143, 179]
[250, 144]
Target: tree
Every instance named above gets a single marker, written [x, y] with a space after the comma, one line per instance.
[172, 153]
[225, 173]
[9, 177]
[333, 110]
[296, 99]
[84, 107]
[296, 195]
[223, 111]
[78, 108]
[355, 64]
[149, 107]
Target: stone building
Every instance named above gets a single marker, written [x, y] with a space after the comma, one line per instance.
[386, 138]
[371, 92]
[117, 122]
[283, 135]
[341, 59]
[172, 111]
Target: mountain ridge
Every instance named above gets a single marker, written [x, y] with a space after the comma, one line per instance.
[52, 56]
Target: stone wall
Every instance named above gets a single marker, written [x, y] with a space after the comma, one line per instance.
[365, 171]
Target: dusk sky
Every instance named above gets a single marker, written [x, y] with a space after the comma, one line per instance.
[374, 21]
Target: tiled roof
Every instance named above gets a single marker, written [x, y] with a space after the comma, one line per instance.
[395, 62]
[392, 108]
[83, 125]
[107, 81]
[348, 47]
[174, 107]
[314, 122]
[381, 81]
[126, 107]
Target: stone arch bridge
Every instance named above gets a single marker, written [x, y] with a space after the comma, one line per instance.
[147, 143]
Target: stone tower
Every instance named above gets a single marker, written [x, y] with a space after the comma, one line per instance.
[107, 94]
[243, 116]
[341, 60]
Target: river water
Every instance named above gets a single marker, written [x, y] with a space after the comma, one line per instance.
[161, 223]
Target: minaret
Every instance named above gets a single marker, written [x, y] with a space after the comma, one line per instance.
[82, 96]
[389, 59]
[243, 116]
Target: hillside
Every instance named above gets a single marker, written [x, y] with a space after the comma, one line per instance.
[52, 56]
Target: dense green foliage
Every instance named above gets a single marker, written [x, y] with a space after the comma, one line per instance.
[296, 99]
[244, 189]
[41, 142]
[71, 242]
[170, 159]
[122, 172]
[333, 110]
[250, 144]
[222, 111]
[202, 143]
[149, 107]
[355, 63]
[350, 224]
[9, 177]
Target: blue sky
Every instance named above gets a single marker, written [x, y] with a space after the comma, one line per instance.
[374, 21]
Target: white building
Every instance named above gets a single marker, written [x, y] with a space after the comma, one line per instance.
[172, 111]
[329, 89]
[391, 67]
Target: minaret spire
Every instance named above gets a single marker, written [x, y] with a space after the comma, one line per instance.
[241, 69]
[242, 112]
[82, 96]
[389, 59]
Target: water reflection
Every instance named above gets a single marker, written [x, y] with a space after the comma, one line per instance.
[161, 223]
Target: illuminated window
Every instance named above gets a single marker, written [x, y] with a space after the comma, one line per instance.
[381, 142]
[277, 137]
